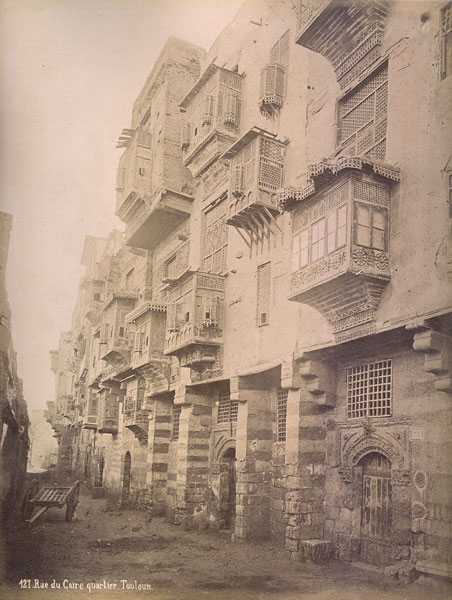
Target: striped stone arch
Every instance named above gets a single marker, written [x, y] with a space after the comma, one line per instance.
[224, 444]
[374, 443]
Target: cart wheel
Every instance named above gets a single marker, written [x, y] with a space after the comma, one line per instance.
[72, 503]
[27, 506]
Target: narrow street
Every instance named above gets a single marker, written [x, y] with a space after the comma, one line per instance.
[106, 552]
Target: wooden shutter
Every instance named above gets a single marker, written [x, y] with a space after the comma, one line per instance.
[280, 51]
[272, 84]
[121, 178]
[237, 180]
[130, 337]
[263, 294]
[207, 115]
[171, 317]
[231, 109]
[271, 168]
[363, 117]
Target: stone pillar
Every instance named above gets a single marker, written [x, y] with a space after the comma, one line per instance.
[306, 461]
[192, 493]
[157, 458]
[254, 467]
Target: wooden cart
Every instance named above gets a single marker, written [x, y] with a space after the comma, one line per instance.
[49, 497]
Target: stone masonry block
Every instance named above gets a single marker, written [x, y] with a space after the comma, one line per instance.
[292, 545]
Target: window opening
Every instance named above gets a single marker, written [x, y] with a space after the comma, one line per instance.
[282, 415]
[369, 390]
[371, 224]
[176, 422]
[227, 409]
[129, 279]
[263, 294]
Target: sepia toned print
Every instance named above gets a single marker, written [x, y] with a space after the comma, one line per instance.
[254, 396]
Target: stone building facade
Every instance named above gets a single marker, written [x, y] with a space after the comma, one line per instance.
[14, 443]
[273, 335]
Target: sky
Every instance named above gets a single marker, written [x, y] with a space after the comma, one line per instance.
[70, 71]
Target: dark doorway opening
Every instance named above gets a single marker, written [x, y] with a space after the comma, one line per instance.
[228, 488]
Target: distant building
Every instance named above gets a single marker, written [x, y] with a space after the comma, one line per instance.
[43, 446]
[13, 409]
[269, 349]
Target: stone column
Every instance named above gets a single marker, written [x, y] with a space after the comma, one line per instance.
[157, 459]
[192, 492]
[254, 467]
[306, 461]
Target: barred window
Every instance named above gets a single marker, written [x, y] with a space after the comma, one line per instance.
[282, 415]
[369, 390]
[227, 409]
[263, 294]
[176, 423]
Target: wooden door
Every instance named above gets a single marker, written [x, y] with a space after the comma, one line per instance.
[376, 510]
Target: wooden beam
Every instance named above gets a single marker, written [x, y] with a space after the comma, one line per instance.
[40, 512]
[243, 237]
[272, 218]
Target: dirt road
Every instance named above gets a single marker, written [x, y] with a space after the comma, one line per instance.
[103, 554]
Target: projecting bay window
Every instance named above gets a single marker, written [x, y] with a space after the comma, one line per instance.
[213, 105]
[273, 78]
[370, 226]
[324, 236]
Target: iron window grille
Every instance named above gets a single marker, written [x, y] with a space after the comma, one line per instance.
[227, 409]
[263, 294]
[369, 390]
[281, 421]
[176, 423]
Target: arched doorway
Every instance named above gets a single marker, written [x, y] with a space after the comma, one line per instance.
[376, 509]
[126, 473]
[227, 488]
